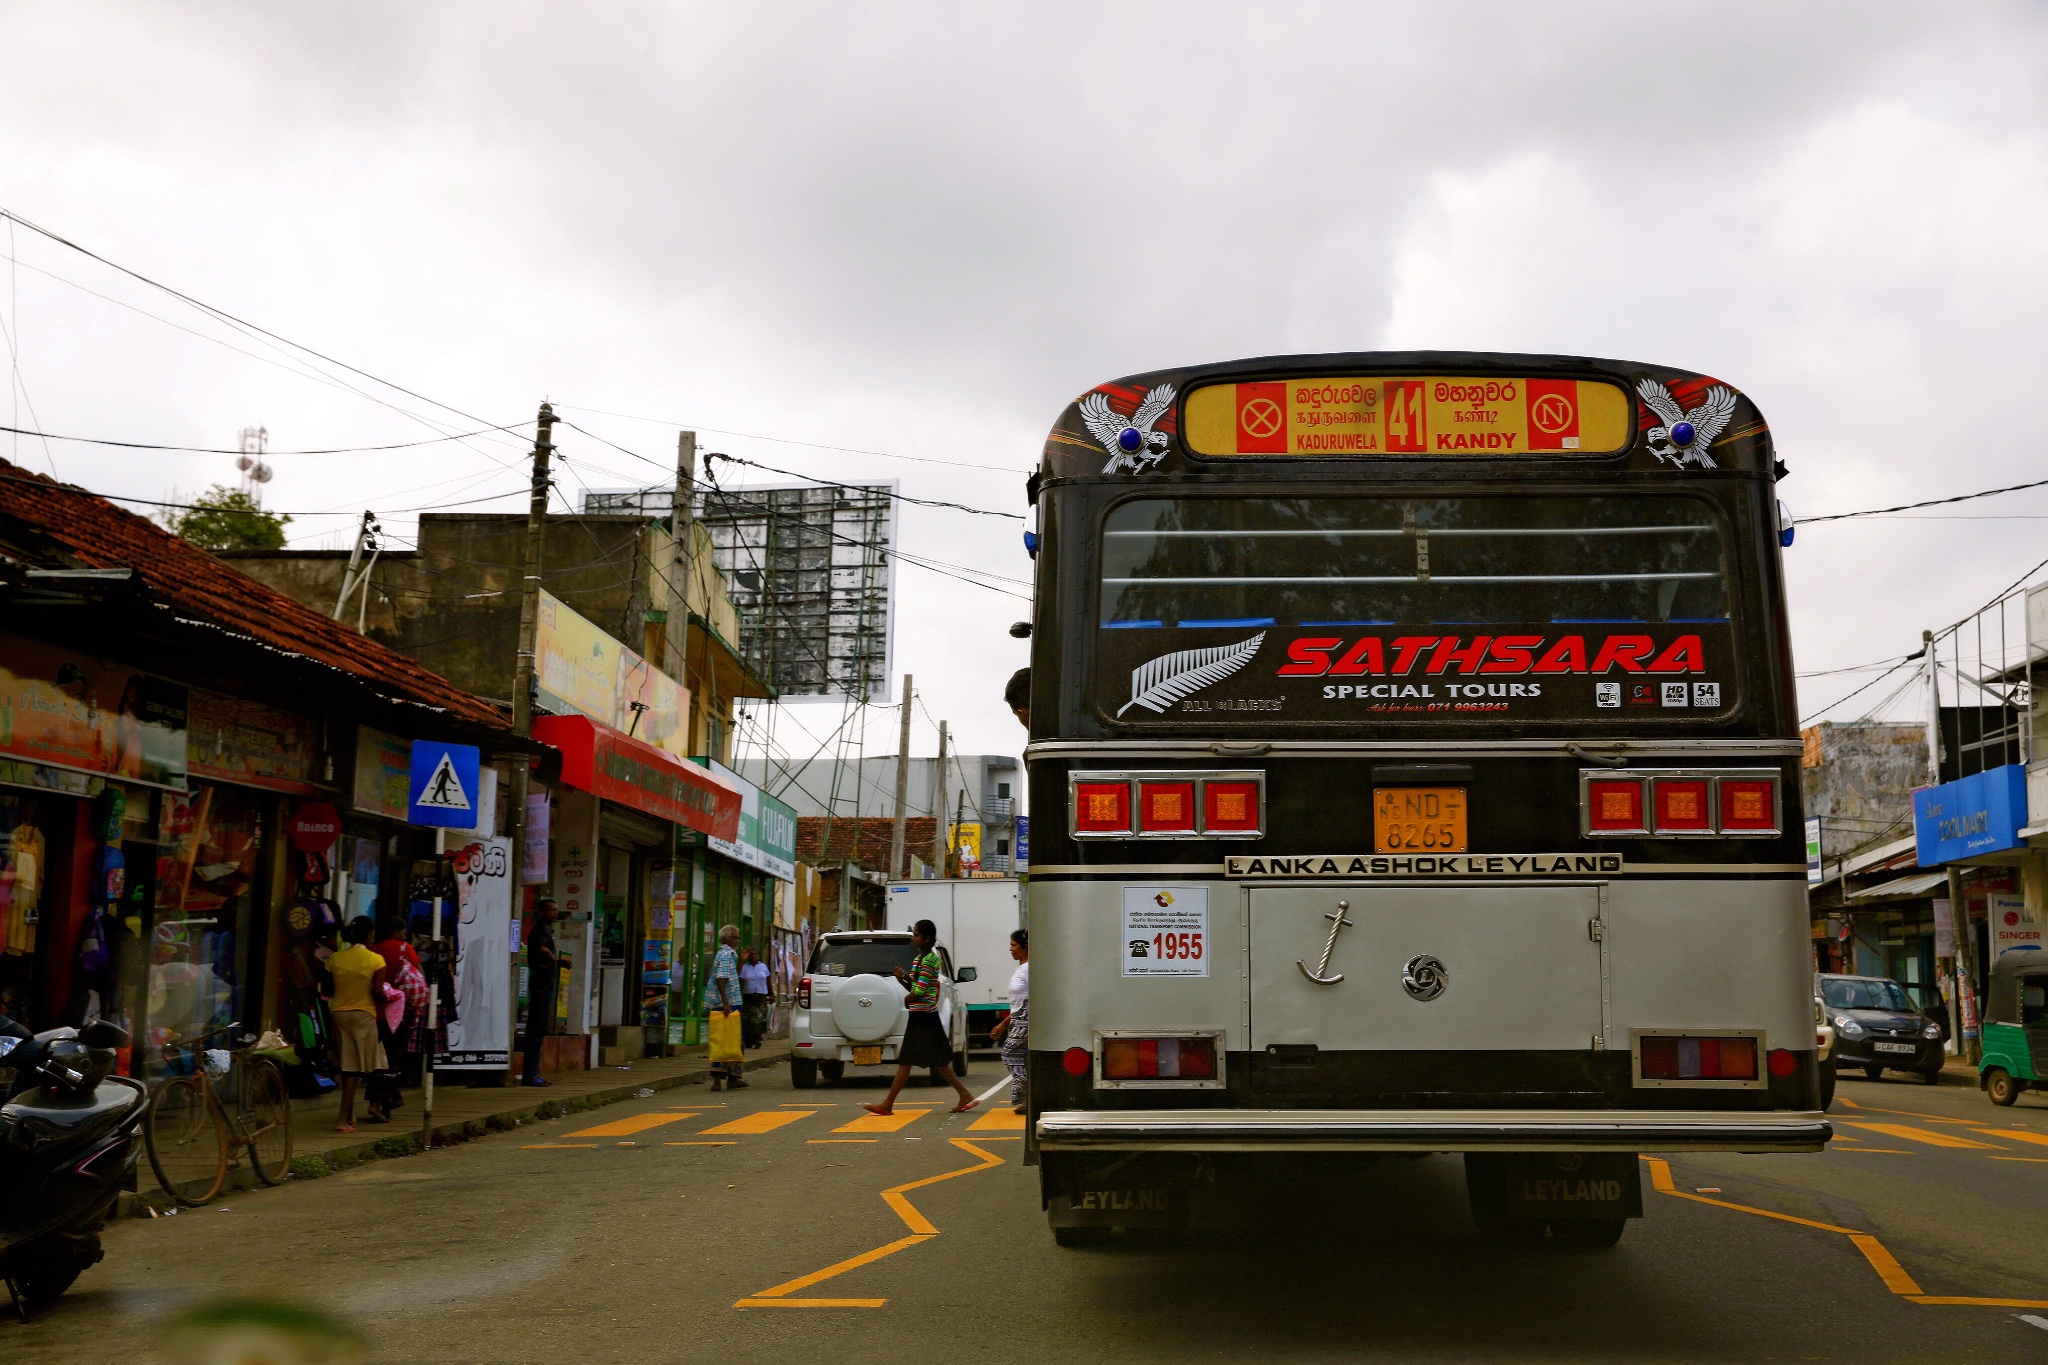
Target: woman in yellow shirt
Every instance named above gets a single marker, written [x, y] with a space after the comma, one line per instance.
[358, 973]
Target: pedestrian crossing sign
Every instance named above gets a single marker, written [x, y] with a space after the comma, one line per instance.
[445, 778]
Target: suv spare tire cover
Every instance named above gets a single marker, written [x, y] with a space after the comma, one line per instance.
[867, 1008]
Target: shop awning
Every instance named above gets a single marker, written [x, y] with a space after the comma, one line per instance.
[1919, 884]
[611, 764]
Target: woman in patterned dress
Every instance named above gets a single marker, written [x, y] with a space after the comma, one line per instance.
[924, 1039]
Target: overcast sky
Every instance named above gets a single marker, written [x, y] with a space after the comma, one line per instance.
[923, 230]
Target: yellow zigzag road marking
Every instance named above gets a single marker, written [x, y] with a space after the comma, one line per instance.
[1895, 1276]
[921, 1230]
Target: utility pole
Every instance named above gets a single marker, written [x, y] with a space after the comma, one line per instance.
[939, 806]
[902, 788]
[357, 575]
[522, 675]
[953, 848]
[1933, 710]
[1962, 1002]
[682, 525]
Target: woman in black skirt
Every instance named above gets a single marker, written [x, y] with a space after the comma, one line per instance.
[924, 1039]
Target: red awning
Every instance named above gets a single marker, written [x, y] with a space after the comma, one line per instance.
[612, 764]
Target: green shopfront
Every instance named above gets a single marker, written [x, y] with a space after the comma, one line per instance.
[726, 881]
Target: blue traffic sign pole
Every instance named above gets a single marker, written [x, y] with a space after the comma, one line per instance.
[446, 782]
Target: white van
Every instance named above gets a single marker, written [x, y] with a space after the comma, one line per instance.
[975, 918]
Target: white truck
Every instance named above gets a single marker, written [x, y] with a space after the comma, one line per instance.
[975, 918]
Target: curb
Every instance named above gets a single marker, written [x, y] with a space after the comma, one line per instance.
[144, 1203]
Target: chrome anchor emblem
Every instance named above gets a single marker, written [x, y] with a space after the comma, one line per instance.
[1424, 977]
[1337, 923]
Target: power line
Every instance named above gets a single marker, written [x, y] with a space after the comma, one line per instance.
[215, 450]
[788, 441]
[1910, 506]
[828, 483]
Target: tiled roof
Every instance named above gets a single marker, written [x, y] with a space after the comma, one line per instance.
[873, 844]
[195, 585]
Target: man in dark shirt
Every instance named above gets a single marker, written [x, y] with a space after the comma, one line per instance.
[543, 970]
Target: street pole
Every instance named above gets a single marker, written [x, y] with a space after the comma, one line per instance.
[953, 842]
[1933, 711]
[1961, 1007]
[522, 686]
[433, 999]
[939, 806]
[682, 526]
[902, 788]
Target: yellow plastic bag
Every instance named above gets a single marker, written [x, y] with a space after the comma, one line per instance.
[724, 1035]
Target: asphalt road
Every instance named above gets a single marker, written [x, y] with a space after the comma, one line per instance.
[637, 1232]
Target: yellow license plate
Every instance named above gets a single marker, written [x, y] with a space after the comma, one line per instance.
[1418, 820]
[867, 1056]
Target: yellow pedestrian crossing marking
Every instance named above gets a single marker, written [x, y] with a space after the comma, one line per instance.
[638, 1123]
[883, 1123]
[1928, 1136]
[2016, 1134]
[553, 1146]
[998, 1121]
[766, 1121]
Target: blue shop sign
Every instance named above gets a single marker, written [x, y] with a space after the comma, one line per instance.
[1982, 813]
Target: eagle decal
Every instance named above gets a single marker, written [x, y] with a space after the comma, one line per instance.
[1685, 435]
[1130, 442]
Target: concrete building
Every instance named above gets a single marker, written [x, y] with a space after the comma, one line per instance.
[993, 786]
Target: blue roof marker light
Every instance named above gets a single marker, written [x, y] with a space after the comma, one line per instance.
[1130, 440]
[1682, 433]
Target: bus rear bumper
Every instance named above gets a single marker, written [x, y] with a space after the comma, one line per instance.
[1430, 1130]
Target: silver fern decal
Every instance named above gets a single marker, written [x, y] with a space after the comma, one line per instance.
[1168, 678]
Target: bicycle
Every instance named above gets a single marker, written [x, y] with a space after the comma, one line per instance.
[192, 1134]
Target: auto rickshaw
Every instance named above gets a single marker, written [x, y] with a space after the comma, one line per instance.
[2015, 1025]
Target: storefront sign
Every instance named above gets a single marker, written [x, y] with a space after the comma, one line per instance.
[2010, 927]
[1814, 875]
[314, 826]
[535, 873]
[1982, 813]
[1944, 928]
[249, 743]
[966, 841]
[579, 668]
[604, 762]
[480, 1037]
[767, 833]
[1023, 844]
[70, 710]
[383, 773]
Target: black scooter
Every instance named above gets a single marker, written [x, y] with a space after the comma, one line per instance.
[69, 1138]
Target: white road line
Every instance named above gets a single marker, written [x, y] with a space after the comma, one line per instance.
[983, 1097]
[2041, 1323]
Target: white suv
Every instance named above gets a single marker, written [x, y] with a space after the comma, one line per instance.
[850, 1011]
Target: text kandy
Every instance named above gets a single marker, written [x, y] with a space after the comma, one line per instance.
[1314, 656]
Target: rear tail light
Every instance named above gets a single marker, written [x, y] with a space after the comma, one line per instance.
[1102, 808]
[1682, 805]
[1076, 1061]
[1749, 806]
[1166, 807]
[1159, 1059]
[1699, 1059]
[1738, 802]
[803, 994]
[1614, 805]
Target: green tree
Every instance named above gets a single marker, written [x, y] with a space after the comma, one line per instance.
[224, 518]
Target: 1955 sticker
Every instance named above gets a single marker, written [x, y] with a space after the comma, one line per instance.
[1166, 931]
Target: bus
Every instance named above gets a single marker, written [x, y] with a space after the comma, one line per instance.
[1415, 762]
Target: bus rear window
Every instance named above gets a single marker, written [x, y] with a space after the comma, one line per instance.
[1325, 608]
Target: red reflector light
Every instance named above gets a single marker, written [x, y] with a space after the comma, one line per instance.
[1077, 1061]
[1614, 805]
[1230, 807]
[1102, 807]
[1158, 1059]
[803, 994]
[1166, 807]
[1681, 806]
[1749, 806]
[1699, 1059]
[1783, 1063]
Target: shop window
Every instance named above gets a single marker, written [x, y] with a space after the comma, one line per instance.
[210, 843]
[24, 870]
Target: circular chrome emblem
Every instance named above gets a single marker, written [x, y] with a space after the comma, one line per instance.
[1424, 977]
[864, 1001]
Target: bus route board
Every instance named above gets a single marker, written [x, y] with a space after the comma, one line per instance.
[1401, 416]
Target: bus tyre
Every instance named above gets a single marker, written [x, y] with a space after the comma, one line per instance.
[2000, 1086]
[1587, 1234]
[803, 1072]
[833, 1072]
[1080, 1237]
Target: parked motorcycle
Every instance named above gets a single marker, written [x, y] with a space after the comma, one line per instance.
[69, 1138]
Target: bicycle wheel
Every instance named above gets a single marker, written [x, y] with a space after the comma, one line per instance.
[266, 1119]
[188, 1143]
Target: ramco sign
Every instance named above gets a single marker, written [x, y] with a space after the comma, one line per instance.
[1979, 814]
